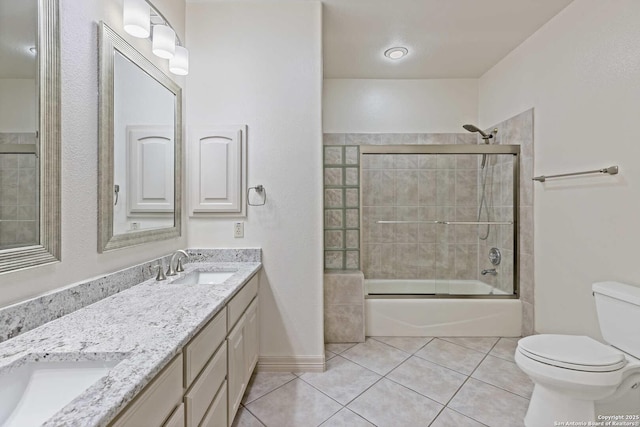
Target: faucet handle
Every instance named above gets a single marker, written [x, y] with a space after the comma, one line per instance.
[179, 267]
[170, 270]
[160, 276]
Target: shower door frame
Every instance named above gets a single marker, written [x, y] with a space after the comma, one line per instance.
[453, 149]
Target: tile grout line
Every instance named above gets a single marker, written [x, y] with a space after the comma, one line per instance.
[270, 391]
[466, 380]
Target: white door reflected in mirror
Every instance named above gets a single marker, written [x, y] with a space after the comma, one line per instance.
[143, 133]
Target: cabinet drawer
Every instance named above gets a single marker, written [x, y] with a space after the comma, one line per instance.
[157, 401]
[202, 346]
[199, 397]
[217, 414]
[241, 301]
[177, 418]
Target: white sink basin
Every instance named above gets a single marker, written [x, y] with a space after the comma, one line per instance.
[33, 393]
[200, 277]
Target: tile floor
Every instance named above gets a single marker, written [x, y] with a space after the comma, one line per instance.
[396, 382]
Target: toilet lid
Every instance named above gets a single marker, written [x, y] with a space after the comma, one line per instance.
[575, 352]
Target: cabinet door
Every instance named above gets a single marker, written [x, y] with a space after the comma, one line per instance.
[251, 338]
[217, 414]
[157, 401]
[217, 171]
[237, 367]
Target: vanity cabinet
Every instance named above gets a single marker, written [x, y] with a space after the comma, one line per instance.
[203, 386]
[242, 344]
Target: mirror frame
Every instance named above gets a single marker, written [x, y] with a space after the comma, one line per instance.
[109, 42]
[49, 140]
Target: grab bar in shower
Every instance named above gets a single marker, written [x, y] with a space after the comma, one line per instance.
[449, 222]
[611, 170]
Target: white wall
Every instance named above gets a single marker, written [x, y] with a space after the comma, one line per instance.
[80, 258]
[17, 105]
[399, 106]
[581, 73]
[260, 64]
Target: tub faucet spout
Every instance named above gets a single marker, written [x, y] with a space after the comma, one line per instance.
[491, 271]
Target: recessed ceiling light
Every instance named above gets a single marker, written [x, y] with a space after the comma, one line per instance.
[396, 52]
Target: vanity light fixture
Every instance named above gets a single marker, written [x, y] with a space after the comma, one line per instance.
[396, 52]
[163, 41]
[179, 64]
[137, 18]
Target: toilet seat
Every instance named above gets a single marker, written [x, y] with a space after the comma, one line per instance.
[578, 353]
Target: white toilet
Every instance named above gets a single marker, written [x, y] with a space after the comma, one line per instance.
[580, 379]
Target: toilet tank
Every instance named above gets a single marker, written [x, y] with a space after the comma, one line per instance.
[618, 308]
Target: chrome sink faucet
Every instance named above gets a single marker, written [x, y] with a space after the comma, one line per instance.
[179, 254]
[491, 271]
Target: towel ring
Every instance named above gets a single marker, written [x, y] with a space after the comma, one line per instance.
[261, 191]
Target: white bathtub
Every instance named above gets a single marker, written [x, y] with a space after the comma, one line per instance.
[439, 316]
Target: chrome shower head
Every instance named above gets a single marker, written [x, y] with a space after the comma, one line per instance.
[473, 128]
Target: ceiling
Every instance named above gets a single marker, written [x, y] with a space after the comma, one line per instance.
[18, 31]
[445, 38]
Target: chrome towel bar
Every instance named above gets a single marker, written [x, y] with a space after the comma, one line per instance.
[611, 170]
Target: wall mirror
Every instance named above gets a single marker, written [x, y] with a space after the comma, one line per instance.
[29, 133]
[140, 148]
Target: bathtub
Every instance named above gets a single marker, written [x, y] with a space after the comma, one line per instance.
[438, 308]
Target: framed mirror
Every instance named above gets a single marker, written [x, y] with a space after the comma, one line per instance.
[29, 134]
[140, 148]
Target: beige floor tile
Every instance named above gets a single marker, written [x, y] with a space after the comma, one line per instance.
[505, 349]
[490, 405]
[346, 418]
[431, 380]
[504, 374]
[388, 404]
[262, 383]
[407, 344]
[343, 380]
[328, 355]
[293, 405]
[338, 348]
[245, 418]
[452, 356]
[449, 418]
[483, 344]
[376, 356]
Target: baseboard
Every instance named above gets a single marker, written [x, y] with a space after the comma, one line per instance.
[291, 364]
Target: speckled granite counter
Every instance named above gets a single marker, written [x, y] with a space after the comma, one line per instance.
[145, 326]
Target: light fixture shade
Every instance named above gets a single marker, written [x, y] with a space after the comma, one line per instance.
[179, 64]
[137, 19]
[164, 41]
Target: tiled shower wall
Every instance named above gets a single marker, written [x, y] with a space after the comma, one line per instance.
[498, 206]
[342, 186]
[518, 130]
[342, 207]
[18, 194]
[417, 187]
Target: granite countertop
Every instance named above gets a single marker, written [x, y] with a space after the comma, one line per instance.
[145, 327]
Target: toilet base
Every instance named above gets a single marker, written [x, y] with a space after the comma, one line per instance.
[548, 407]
